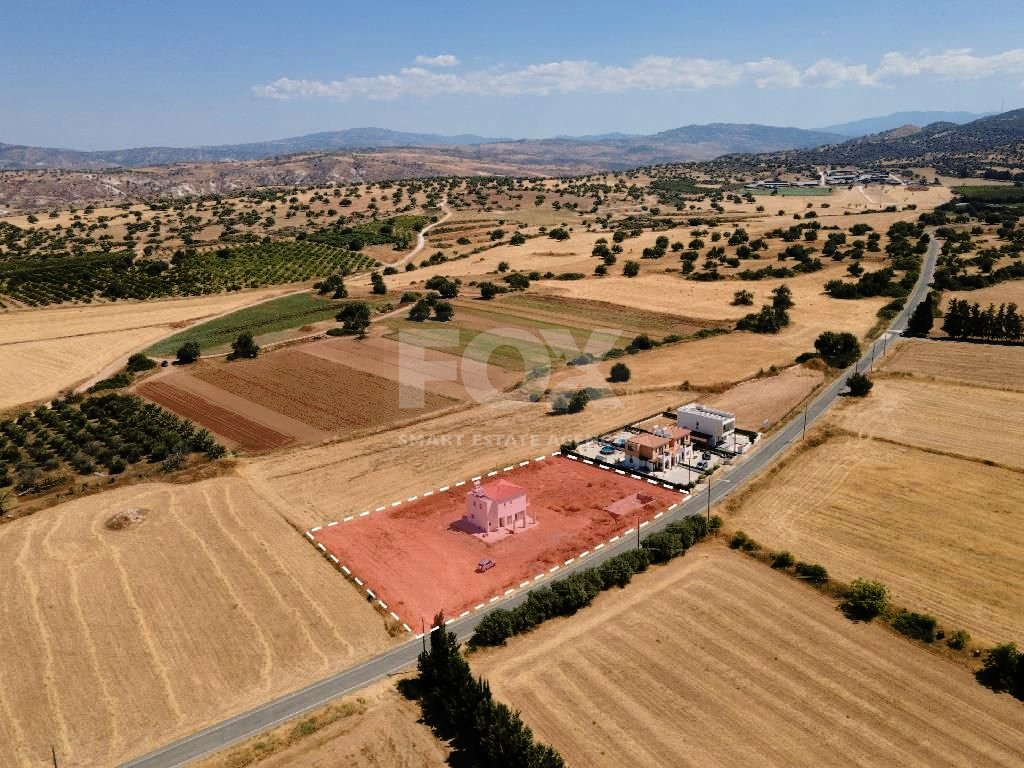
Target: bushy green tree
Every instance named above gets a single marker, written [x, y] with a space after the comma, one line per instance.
[859, 384]
[244, 347]
[839, 350]
[619, 373]
[866, 599]
[188, 352]
[355, 317]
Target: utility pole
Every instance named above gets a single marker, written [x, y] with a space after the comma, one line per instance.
[709, 500]
[805, 425]
[53, 753]
[423, 631]
[638, 530]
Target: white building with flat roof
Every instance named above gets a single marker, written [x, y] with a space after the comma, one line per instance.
[716, 426]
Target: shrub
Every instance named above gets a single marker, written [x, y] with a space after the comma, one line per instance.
[958, 640]
[444, 311]
[812, 572]
[631, 268]
[866, 599]
[420, 311]
[742, 298]
[139, 362]
[859, 384]
[619, 373]
[919, 626]
[738, 540]
[488, 290]
[643, 341]
[782, 559]
[494, 629]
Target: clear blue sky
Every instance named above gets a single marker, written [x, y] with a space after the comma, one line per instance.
[114, 74]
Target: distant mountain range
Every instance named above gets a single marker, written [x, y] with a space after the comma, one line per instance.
[613, 150]
[996, 140]
[897, 119]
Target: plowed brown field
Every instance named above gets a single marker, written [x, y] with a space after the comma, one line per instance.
[716, 660]
[325, 395]
[225, 423]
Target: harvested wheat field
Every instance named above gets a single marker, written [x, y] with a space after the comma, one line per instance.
[946, 535]
[760, 403]
[968, 421]
[434, 452]
[375, 728]
[983, 365]
[47, 350]
[716, 660]
[201, 603]
[1010, 291]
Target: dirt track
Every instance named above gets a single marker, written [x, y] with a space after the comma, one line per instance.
[716, 660]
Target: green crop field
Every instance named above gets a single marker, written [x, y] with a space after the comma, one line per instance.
[992, 193]
[280, 314]
[797, 192]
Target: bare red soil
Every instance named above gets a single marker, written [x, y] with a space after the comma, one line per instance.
[415, 559]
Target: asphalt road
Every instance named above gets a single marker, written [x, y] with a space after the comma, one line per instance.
[223, 734]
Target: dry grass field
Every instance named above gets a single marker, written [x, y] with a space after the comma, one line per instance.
[769, 399]
[740, 355]
[375, 728]
[716, 660]
[946, 535]
[920, 485]
[116, 641]
[986, 424]
[1011, 291]
[44, 351]
[982, 365]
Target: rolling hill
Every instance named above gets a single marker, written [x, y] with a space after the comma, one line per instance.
[607, 151]
[996, 140]
[884, 123]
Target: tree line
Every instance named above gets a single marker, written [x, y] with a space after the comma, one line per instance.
[970, 321]
[461, 710]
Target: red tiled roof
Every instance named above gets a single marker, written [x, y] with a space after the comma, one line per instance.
[500, 490]
[651, 441]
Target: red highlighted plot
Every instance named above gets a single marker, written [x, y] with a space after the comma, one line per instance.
[421, 557]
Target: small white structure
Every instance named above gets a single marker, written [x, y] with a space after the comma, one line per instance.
[716, 427]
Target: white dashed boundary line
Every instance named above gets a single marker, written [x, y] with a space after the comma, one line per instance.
[310, 534]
